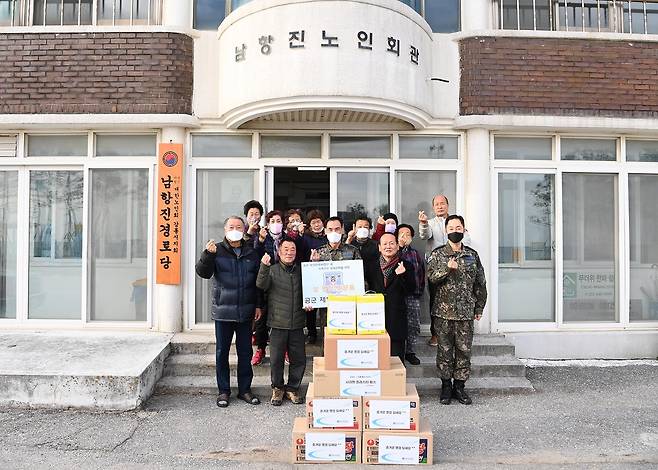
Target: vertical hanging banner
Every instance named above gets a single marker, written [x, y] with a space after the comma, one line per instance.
[170, 213]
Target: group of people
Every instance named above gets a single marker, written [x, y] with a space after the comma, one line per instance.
[257, 290]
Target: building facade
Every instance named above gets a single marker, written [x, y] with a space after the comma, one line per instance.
[537, 118]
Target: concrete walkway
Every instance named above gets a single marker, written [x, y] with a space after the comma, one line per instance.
[106, 370]
[579, 418]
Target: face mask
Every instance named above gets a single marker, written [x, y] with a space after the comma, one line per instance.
[320, 230]
[390, 228]
[333, 237]
[234, 235]
[276, 228]
[362, 233]
[455, 237]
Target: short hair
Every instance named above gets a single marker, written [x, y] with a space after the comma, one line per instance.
[363, 217]
[407, 226]
[233, 217]
[391, 215]
[286, 239]
[453, 217]
[253, 204]
[294, 211]
[441, 195]
[271, 214]
[314, 214]
[335, 218]
[387, 233]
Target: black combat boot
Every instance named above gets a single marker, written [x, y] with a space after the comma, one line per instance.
[460, 394]
[446, 391]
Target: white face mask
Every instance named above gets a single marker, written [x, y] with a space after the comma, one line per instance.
[276, 228]
[390, 228]
[234, 235]
[362, 233]
[333, 237]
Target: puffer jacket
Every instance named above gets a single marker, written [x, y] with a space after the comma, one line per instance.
[283, 286]
[235, 296]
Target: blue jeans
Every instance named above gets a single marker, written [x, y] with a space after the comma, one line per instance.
[224, 331]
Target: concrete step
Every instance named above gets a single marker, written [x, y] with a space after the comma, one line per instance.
[481, 366]
[483, 345]
[426, 386]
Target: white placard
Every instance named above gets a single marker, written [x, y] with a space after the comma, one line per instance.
[357, 354]
[390, 414]
[396, 449]
[321, 278]
[325, 446]
[361, 383]
[333, 413]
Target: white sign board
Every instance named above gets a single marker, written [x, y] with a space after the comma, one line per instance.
[357, 354]
[325, 446]
[360, 383]
[390, 414]
[333, 412]
[396, 449]
[321, 278]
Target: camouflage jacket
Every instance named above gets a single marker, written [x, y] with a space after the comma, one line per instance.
[460, 293]
[342, 253]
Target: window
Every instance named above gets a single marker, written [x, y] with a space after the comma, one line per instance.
[57, 146]
[364, 192]
[214, 145]
[589, 149]
[219, 194]
[116, 145]
[55, 271]
[523, 148]
[526, 265]
[8, 242]
[272, 146]
[118, 244]
[360, 147]
[443, 16]
[87, 12]
[129, 12]
[641, 150]
[62, 12]
[643, 193]
[590, 234]
[435, 147]
[12, 12]
[7, 146]
[208, 14]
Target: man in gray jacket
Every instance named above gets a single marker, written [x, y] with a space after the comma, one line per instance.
[282, 282]
[434, 232]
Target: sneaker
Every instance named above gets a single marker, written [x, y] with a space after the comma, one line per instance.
[277, 396]
[294, 397]
[286, 358]
[433, 341]
[412, 359]
[259, 355]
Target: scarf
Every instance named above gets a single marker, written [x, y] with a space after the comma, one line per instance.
[388, 268]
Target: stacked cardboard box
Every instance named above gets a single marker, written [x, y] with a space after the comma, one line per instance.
[359, 408]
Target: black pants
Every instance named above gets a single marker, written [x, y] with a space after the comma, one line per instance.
[311, 324]
[293, 342]
[224, 331]
[261, 331]
[398, 348]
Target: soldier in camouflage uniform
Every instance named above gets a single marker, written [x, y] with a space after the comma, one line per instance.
[460, 297]
[335, 250]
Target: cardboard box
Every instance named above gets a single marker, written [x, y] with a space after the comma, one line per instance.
[354, 383]
[332, 412]
[392, 413]
[390, 448]
[357, 352]
[370, 314]
[321, 446]
[341, 315]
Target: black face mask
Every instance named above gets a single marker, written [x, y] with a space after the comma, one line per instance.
[455, 237]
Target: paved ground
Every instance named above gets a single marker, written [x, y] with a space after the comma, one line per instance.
[579, 418]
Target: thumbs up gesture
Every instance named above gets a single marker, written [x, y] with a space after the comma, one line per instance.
[266, 259]
[400, 269]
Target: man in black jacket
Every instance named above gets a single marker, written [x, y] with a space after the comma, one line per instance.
[393, 277]
[236, 303]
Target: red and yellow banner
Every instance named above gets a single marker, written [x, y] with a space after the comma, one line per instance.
[170, 213]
